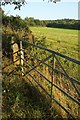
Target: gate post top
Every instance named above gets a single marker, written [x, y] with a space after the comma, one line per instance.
[13, 39]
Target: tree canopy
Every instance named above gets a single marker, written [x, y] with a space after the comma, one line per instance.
[18, 3]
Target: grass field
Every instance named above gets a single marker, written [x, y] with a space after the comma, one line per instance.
[62, 40]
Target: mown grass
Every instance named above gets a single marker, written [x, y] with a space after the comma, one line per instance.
[62, 40]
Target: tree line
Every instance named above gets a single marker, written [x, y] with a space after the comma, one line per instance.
[62, 23]
[19, 23]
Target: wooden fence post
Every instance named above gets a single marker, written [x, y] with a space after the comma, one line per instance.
[15, 49]
[21, 57]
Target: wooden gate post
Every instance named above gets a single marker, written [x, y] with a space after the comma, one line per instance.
[21, 57]
[15, 49]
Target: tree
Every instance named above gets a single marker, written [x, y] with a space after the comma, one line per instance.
[19, 3]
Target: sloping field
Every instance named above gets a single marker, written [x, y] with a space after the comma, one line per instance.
[61, 40]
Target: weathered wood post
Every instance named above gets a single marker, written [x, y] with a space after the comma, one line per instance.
[31, 37]
[15, 49]
[21, 57]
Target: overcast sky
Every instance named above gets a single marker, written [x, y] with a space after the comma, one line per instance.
[46, 11]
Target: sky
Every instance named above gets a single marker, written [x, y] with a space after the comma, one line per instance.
[46, 11]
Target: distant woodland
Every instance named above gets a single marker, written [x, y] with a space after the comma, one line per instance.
[62, 23]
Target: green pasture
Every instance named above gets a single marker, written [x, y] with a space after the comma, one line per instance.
[62, 40]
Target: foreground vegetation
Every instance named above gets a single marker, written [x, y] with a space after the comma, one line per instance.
[23, 99]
